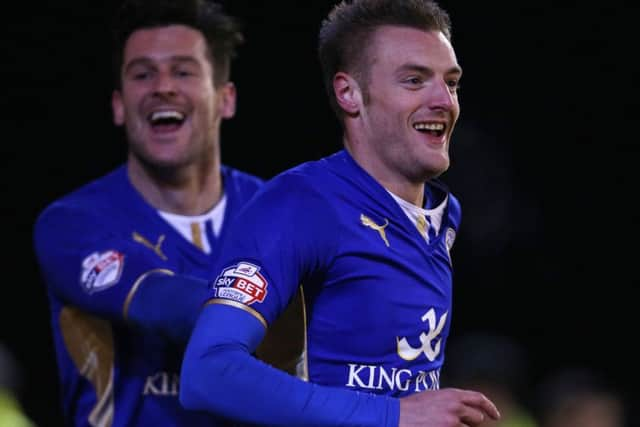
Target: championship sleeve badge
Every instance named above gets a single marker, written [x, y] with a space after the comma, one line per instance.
[242, 283]
[101, 270]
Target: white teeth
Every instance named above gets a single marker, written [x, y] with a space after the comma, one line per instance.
[429, 126]
[163, 115]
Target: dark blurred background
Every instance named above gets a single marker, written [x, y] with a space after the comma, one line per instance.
[543, 161]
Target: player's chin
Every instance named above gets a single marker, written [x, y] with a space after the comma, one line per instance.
[437, 165]
[167, 159]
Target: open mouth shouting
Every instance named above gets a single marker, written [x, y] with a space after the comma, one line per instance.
[165, 121]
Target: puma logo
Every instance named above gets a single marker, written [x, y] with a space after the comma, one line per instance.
[157, 248]
[379, 228]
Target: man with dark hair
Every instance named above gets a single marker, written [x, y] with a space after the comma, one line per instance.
[106, 250]
[368, 231]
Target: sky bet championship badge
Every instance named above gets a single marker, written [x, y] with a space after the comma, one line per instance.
[241, 282]
[101, 270]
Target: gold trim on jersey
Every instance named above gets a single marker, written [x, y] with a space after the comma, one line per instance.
[240, 306]
[285, 343]
[89, 343]
[136, 285]
[422, 225]
[302, 369]
[196, 235]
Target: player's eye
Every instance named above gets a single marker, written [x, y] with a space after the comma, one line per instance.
[454, 84]
[185, 71]
[141, 75]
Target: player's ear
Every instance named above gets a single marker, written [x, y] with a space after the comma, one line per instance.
[227, 100]
[347, 92]
[117, 108]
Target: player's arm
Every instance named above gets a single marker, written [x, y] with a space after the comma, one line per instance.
[220, 375]
[283, 236]
[160, 301]
[102, 270]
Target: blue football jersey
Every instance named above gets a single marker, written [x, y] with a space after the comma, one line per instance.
[92, 246]
[377, 294]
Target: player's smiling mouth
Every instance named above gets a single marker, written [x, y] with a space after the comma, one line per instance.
[434, 128]
[166, 120]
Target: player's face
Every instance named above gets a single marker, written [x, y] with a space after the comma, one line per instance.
[410, 102]
[168, 103]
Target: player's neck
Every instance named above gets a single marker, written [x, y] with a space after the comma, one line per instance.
[412, 193]
[190, 190]
[393, 181]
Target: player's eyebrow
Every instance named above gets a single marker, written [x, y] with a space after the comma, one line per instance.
[427, 70]
[145, 61]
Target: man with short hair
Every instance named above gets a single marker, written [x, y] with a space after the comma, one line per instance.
[368, 231]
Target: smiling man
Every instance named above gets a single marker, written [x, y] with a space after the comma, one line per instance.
[107, 249]
[368, 231]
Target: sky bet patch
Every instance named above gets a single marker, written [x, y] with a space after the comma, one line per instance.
[101, 270]
[241, 282]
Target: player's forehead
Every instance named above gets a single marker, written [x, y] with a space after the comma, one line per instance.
[172, 42]
[398, 44]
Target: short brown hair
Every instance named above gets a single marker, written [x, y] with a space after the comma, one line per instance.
[221, 31]
[347, 31]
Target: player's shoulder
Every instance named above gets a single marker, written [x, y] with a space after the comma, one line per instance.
[311, 174]
[241, 180]
[300, 187]
[91, 198]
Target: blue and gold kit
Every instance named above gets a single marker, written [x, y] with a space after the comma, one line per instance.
[93, 247]
[377, 292]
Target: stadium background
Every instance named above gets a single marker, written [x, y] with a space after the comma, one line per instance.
[543, 161]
